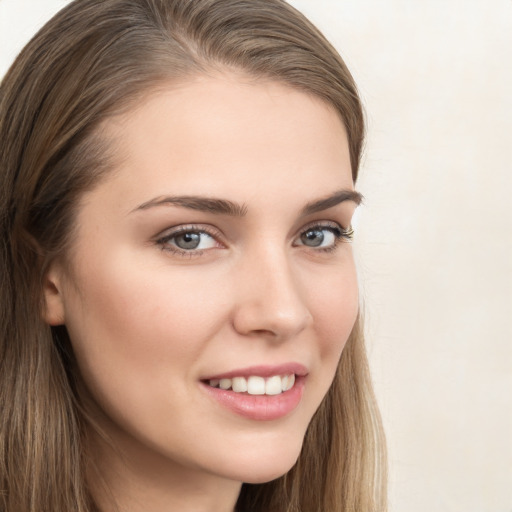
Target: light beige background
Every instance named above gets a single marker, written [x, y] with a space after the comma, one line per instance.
[434, 236]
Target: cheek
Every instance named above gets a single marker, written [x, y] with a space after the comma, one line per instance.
[335, 305]
[335, 308]
[132, 326]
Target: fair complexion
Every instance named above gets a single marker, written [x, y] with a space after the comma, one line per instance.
[218, 247]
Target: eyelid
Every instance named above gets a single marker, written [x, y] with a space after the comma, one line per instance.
[341, 234]
[185, 228]
[165, 236]
[326, 224]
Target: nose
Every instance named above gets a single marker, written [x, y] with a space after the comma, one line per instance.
[269, 299]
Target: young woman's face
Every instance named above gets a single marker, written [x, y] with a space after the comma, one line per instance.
[216, 254]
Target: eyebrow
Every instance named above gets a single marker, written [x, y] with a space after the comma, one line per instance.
[334, 199]
[226, 207]
[204, 204]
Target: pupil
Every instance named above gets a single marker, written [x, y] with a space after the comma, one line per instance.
[313, 238]
[188, 240]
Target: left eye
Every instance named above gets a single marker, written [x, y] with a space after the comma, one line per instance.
[318, 237]
[322, 237]
[190, 240]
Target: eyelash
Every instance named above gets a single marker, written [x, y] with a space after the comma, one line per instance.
[340, 235]
[164, 244]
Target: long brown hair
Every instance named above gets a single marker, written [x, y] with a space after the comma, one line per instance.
[92, 60]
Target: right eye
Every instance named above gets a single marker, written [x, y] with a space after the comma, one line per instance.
[188, 241]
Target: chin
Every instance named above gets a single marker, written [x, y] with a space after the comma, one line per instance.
[268, 474]
[262, 464]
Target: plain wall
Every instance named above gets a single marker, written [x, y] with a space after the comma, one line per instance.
[434, 237]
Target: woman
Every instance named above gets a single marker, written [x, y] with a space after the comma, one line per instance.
[180, 309]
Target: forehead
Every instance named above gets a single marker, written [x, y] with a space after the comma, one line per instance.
[229, 135]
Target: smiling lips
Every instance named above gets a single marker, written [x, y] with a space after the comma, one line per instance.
[255, 385]
[259, 393]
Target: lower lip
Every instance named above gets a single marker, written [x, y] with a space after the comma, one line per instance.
[259, 407]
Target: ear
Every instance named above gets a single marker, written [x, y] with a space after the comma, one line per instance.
[53, 313]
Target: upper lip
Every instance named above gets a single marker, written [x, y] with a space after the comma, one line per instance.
[262, 371]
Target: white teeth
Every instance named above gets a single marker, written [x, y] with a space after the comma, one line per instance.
[273, 386]
[225, 383]
[239, 385]
[256, 385]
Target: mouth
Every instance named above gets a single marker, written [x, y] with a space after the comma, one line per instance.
[255, 384]
[259, 393]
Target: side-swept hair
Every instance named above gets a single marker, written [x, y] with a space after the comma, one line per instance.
[94, 59]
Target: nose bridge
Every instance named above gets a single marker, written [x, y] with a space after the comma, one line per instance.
[270, 300]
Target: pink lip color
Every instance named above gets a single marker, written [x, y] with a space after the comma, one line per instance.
[260, 407]
[263, 371]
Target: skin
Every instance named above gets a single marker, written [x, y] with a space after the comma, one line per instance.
[148, 323]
